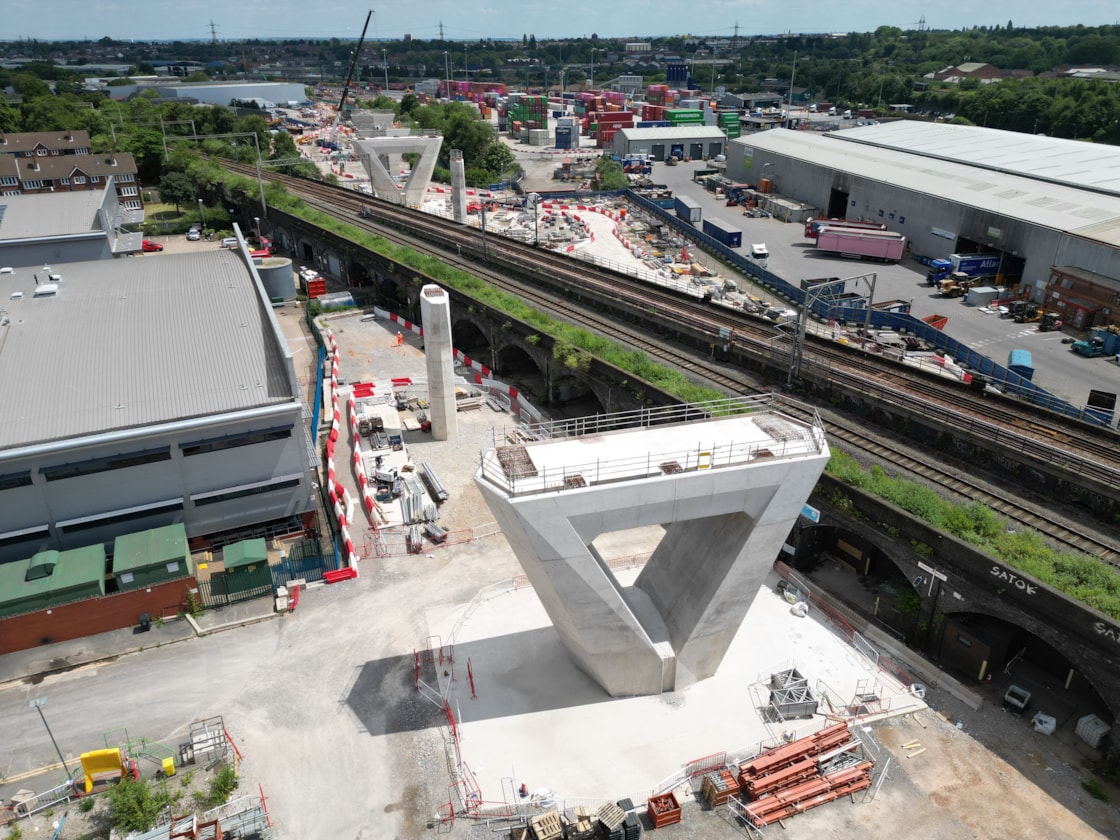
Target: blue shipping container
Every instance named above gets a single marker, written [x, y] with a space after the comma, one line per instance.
[722, 231]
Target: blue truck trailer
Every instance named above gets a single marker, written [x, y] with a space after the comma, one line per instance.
[974, 265]
[723, 232]
[688, 209]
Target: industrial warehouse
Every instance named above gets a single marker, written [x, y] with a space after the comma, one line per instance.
[125, 420]
[1049, 209]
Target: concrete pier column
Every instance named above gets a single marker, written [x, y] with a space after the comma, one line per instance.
[458, 187]
[726, 489]
[435, 310]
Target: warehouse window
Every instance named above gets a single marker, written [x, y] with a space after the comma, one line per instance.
[201, 447]
[118, 517]
[14, 480]
[246, 490]
[113, 462]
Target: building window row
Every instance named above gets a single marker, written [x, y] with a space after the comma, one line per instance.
[79, 179]
[32, 185]
[99, 465]
[125, 178]
[9, 181]
[246, 490]
[133, 205]
[14, 480]
[117, 517]
[201, 447]
[129, 191]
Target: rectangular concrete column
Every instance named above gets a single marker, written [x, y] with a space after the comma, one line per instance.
[458, 187]
[435, 310]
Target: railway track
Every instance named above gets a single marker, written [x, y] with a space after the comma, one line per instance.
[459, 247]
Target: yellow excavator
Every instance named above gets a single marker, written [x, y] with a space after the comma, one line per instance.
[956, 284]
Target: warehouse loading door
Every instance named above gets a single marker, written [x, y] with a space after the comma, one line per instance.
[715, 149]
[696, 150]
[837, 205]
[658, 151]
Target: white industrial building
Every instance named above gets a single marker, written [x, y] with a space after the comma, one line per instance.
[697, 142]
[141, 393]
[37, 230]
[1040, 202]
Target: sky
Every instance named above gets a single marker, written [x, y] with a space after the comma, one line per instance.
[471, 21]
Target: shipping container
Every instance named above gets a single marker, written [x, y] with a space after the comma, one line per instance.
[687, 209]
[723, 232]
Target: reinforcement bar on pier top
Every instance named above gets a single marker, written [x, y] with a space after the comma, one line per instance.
[726, 480]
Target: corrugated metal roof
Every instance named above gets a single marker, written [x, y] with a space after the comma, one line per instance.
[135, 342]
[49, 214]
[675, 132]
[1065, 208]
[1072, 162]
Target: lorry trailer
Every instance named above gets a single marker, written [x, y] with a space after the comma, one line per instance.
[723, 232]
[688, 209]
[813, 226]
[974, 265]
[881, 245]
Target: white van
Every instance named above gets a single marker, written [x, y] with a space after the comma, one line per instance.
[832, 112]
[847, 115]
[759, 252]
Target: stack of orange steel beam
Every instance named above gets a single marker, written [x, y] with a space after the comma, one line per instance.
[789, 779]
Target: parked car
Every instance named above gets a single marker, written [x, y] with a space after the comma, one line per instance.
[148, 246]
[229, 242]
[194, 234]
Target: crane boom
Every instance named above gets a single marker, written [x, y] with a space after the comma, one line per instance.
[349, 78]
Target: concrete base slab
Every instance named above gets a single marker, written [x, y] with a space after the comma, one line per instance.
[537, 717]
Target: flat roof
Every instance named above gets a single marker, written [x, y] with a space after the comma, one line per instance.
[1069, 209]
[675, 132]
[46, 215]
[1071, 162]
[153, 547]
[127, 343]
[582, 455]
[67, 570]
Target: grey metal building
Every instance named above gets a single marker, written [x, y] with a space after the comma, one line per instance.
[38, 230]
[140, 393]
[1037, 201]
[694, 141]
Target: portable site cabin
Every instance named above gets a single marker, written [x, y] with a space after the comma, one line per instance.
[51, 578]
[151, 557]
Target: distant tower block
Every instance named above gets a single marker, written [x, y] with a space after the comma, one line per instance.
[727, 480]
[458, 187]
[435, 310]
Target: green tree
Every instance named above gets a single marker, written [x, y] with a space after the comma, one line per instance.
[135, 805]
[176, 188]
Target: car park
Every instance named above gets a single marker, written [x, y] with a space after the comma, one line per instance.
[150, 247]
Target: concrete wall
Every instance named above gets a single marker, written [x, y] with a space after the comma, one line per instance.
[92, 616]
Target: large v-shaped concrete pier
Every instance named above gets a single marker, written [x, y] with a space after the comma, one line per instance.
[727, 480]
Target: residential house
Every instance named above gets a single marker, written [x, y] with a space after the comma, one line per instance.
[56, 161]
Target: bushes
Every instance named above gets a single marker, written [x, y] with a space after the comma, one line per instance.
[1086, 579]
[137, 805]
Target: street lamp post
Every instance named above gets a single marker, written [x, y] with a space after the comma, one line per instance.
[201, 215]
[385, 63]
[37, 705]
[257, 221]
[535, 200]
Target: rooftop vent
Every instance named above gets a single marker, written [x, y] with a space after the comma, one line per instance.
[46, 290]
